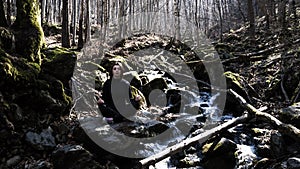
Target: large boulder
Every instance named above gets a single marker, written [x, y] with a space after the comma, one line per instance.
[59, 63]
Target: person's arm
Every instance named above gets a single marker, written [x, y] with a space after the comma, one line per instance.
[135, 98]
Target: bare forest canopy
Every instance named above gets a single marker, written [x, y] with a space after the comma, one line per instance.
[79, 18]
[257, 42]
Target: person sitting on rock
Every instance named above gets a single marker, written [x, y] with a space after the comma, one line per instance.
[118, 98]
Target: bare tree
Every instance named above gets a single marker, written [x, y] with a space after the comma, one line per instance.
[65, 25]
[3, 21]
[218, 5]
[8, 13]
[282, 13]
[80, 34]
[74, 22]
[88, 22]
[251, 18]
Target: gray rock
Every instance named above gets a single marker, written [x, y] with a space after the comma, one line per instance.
[42, 140]
[293, 163]
[13, 161]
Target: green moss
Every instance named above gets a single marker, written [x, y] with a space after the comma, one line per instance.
[29, 33]
[6, 39]
[206, 147]
[59, 63]
[233, 77]
[17, 71]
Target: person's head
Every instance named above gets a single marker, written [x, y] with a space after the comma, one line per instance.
[117, 71]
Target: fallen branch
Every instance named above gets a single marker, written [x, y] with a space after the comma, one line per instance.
[287, 129]
[145, 163]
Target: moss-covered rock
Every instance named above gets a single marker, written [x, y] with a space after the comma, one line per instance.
[219, 154]
[59, 63]
[16, 72]
[6, 39]
[234, 82]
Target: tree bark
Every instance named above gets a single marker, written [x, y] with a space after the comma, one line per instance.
[8, 12]
[29, 36]
[3, 21]
[65, 26]
[80, 34]
[74, 22]
[282, 14]
[88, 22]
[251, 18]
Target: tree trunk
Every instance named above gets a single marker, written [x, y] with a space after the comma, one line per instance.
[88, 22]
[74, 22]
[220, 20]
[251, 18]
[65, 26]
[282, 14]
[42, 3]
[29, 37]
[3, 21]
[80, 34]
[8, 12]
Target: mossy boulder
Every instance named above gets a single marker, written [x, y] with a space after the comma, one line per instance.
[234, 81]
[6, 39]
[16, 73]
[59, 63]
[219, 154]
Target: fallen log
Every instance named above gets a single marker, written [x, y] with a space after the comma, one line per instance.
[252, 112]
[145, 163]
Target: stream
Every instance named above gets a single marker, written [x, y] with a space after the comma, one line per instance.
[155, 128]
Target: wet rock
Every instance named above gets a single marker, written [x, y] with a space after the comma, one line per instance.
[293, 163]
[13, 161]
[278, 146]
[37, 164]
[264, 150]
[263, 163]
[158, 83]
[41, 141]
[74, 156]
[291, 115]
[221, 151]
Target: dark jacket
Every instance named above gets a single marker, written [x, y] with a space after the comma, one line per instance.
[118, 100]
